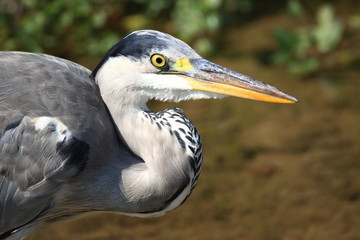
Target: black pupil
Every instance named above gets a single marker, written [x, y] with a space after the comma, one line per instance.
[159, 60]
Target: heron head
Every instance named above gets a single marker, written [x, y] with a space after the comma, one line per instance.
[159, 66]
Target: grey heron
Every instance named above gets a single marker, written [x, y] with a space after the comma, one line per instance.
[74, 141]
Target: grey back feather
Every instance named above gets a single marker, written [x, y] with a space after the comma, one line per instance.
[50, 110]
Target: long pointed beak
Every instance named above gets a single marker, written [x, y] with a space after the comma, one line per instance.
[204, 75]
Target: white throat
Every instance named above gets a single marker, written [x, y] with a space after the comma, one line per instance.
[165, 164]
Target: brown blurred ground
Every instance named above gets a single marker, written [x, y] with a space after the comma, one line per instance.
[270, 171]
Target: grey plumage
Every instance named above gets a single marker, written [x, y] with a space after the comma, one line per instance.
[72, 141]
[33, 164]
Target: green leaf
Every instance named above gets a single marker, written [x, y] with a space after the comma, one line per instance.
[303, 66]
[328, 31]
[295, 8]
[286, 40]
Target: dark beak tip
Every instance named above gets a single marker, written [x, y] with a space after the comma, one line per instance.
[294, 99]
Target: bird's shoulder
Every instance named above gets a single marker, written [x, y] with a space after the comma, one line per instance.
[49, 111]
[38, 85]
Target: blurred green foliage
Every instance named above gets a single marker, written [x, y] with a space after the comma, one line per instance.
[32, 25]
[329, 30]
[93, 26]
[301, 48]
[79, 28]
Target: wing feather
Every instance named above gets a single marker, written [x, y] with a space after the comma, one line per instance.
[45, 136]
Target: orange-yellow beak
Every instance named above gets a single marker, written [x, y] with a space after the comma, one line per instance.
[203, 75]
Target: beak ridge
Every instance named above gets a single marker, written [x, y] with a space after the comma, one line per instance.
[207, 76]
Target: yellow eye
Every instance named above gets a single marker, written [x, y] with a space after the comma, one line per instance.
[158, 60]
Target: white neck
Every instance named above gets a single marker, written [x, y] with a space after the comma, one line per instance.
[166, 164]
